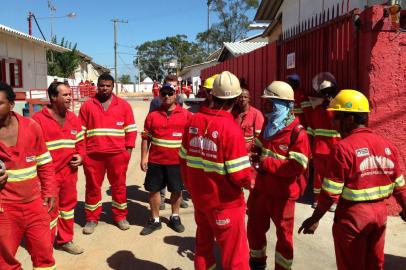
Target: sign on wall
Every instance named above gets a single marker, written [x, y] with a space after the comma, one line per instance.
[290, 60]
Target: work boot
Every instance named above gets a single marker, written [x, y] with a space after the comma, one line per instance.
[183, 204]
[71, 248]
[176, 224]
[123, 224]
[314, 205]
[162, 204]
[89, 227]
[151, 227]
[257, 265]
[333, 208]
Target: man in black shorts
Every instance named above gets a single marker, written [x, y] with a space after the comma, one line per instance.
[161, 140]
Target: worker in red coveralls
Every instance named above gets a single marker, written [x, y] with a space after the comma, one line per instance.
[63, 136]
[250, 119]
[284, 151]
[163, 131]
[110, 134]
[155, 89]
[215, 166]
[294, 81]
[30, 190]
[325, 134]
[363, 170]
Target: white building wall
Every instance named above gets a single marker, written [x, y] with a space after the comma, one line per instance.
[297, 11]
[33, 60]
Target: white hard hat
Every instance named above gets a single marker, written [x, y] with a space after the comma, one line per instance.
[226, 86]
[191, 95]
[279, 90]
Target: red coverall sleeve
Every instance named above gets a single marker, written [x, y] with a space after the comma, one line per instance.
[80, 145]
[399, 192]
[182, 157]
[259, 122]
[146, 134]
[45, 167]
[83, 118]
[338, 169]
[296, 162]
[236, 161]
[130, 128]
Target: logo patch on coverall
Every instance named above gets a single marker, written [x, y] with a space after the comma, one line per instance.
[283, 147]
[73, 132]
[120, 123]
[388, 151]
[223, 222]
[193, 130]
[362, 152]
[30, 159]
[177, 134]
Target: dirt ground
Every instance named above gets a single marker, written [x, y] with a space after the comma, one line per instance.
[110, 248]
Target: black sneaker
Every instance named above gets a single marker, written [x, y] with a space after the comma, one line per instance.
[151, 227]
[176, 224]
[183, 204]
[256, 265]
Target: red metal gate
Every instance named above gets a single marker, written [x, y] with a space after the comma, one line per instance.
[326, 42]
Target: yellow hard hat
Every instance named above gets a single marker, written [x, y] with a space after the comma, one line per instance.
[226, 86]
[348, 100]
[279, 90]
[208, 83]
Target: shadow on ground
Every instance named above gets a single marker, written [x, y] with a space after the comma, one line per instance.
[126, 260]
[393, 262]
[186, 245]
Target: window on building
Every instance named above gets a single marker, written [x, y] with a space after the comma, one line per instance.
[16, 72]
[2, 70]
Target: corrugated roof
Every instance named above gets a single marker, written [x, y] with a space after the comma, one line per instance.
[18, 34]
[238, 48]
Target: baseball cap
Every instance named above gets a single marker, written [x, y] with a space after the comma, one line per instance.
[167, 86]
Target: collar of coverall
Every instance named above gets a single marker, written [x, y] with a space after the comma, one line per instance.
[47, 113]
[222, 113]
[113, 100]
[163, 111]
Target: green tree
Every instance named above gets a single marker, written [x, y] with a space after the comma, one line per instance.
[232, 22]
[125, 79]
[154, 54]
[62, 64]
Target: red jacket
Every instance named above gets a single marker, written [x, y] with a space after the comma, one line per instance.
[324, 134]
[298, 110]
[362, 167]
[62, 142]
[110, 131]
[165, 134]
[251, 123]
[31, 173]
[285, 164]
[214, 160]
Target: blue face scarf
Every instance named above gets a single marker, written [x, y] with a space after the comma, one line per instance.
[279, 117]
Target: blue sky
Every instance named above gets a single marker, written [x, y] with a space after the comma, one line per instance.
[92, 29]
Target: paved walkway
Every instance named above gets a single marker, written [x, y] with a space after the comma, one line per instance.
[110, 248]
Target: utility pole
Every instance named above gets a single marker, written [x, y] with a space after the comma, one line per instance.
[208, 25]
[115, 21]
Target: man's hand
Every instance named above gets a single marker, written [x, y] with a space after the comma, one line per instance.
[50, 201]
[76, 161]
[144, 165]
[129, 150]
[309, 226]
[3, 178]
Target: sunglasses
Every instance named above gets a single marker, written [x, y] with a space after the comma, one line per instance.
[169, 94]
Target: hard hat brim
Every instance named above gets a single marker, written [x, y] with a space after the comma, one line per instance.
[226, 97]
[275, 97]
